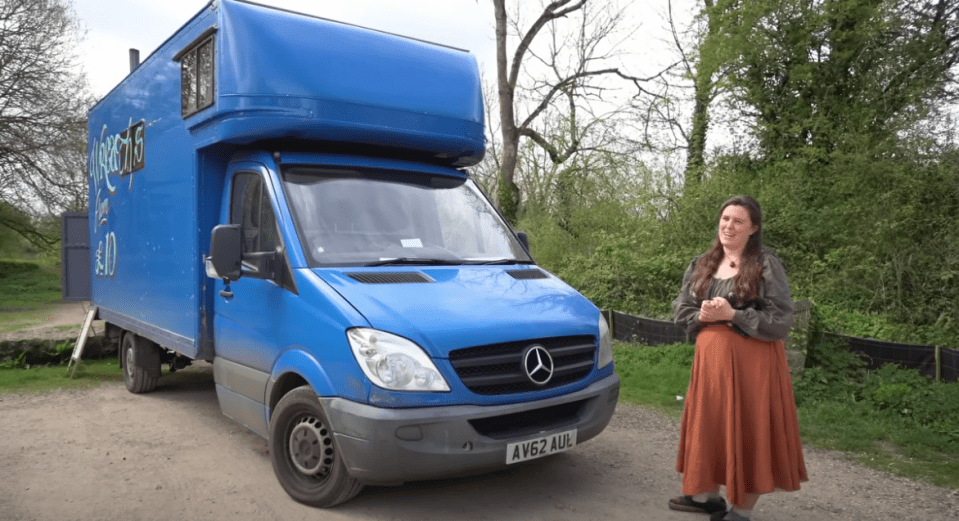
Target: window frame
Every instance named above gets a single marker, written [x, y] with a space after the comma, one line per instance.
[239, 193]
[190, 100]
[272, 265]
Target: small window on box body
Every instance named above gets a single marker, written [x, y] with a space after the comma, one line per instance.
[197, 77]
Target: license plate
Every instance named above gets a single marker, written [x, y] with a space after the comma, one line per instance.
[532, 449]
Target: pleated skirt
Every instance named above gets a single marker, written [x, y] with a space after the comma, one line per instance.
[739, 426]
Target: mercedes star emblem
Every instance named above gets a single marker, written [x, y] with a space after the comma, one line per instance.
[538, 364]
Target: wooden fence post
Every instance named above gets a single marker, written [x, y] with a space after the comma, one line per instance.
[938, 363]
[612, 325]
[797, 342]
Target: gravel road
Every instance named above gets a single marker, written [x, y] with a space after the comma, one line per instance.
[107, 454]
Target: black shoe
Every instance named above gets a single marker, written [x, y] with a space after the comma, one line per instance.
[688, 504]
[727, 516]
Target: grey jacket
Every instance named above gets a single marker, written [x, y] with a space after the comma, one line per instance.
[769, 318]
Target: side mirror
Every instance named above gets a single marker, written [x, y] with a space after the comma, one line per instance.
[523, 239]
[225, 252]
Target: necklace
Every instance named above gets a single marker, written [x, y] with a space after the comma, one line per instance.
[732, 264]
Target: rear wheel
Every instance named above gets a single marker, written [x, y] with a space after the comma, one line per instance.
[305, 457]
[141, 363]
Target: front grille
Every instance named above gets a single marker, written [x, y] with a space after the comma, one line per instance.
[498, 368]
[529, 422]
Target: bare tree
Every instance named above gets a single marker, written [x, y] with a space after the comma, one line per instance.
[565, 75]
[43, 101]
[675, 123]
[486, 173]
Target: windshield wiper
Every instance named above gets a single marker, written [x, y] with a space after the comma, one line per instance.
[401, 261]
[495, 262]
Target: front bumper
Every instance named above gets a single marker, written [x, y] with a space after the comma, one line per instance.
[392, 446]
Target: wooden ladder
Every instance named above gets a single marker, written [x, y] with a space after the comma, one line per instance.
[81, 341]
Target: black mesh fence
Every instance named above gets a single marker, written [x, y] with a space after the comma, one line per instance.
[877, 353]
[630, 328]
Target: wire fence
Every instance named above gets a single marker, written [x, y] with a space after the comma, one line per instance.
[630, 328]
[941, 363]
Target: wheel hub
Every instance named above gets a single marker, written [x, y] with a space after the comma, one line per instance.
[311, 447]
[130, 361]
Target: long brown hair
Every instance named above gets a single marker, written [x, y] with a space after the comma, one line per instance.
[750, 265]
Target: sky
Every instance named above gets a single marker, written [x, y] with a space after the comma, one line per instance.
[115, 26]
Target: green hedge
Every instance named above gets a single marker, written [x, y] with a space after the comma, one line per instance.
[8, 268]
[35, 352]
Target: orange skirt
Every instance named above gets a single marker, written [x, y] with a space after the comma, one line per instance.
[739, 426]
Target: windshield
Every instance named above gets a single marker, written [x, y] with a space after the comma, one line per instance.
[375, 217]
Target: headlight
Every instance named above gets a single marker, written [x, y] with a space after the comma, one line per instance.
[393, 362]
[605, 343]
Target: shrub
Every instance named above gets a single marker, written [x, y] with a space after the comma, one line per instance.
[818, 385]
[619, 275]
[914, 398]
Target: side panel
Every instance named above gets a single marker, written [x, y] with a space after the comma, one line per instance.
[235, 383]
[145, 210]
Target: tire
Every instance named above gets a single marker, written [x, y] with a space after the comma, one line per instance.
[141, 363]
[305, 457]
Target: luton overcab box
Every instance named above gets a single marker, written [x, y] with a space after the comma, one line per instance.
[286, 197]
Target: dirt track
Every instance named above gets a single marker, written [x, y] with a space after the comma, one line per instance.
[171, 455]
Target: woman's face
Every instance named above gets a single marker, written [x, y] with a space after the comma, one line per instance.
[735, 227]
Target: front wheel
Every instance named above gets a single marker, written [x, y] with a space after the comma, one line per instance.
[305, 457]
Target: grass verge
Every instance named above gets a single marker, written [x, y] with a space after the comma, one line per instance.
[656, 377]
[882, 441]
[27, 292]
[40, 380]
[867, 430]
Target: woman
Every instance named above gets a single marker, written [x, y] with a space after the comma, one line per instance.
[739, 426]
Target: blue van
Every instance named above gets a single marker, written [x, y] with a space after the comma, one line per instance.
[284, 196]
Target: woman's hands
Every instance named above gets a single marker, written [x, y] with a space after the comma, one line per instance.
[716, 310]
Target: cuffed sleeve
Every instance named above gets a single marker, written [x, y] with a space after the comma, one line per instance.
[775, 317]
[686, 306]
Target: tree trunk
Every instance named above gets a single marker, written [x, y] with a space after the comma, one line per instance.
[696, 153]
[702, 93]
[507, 193]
